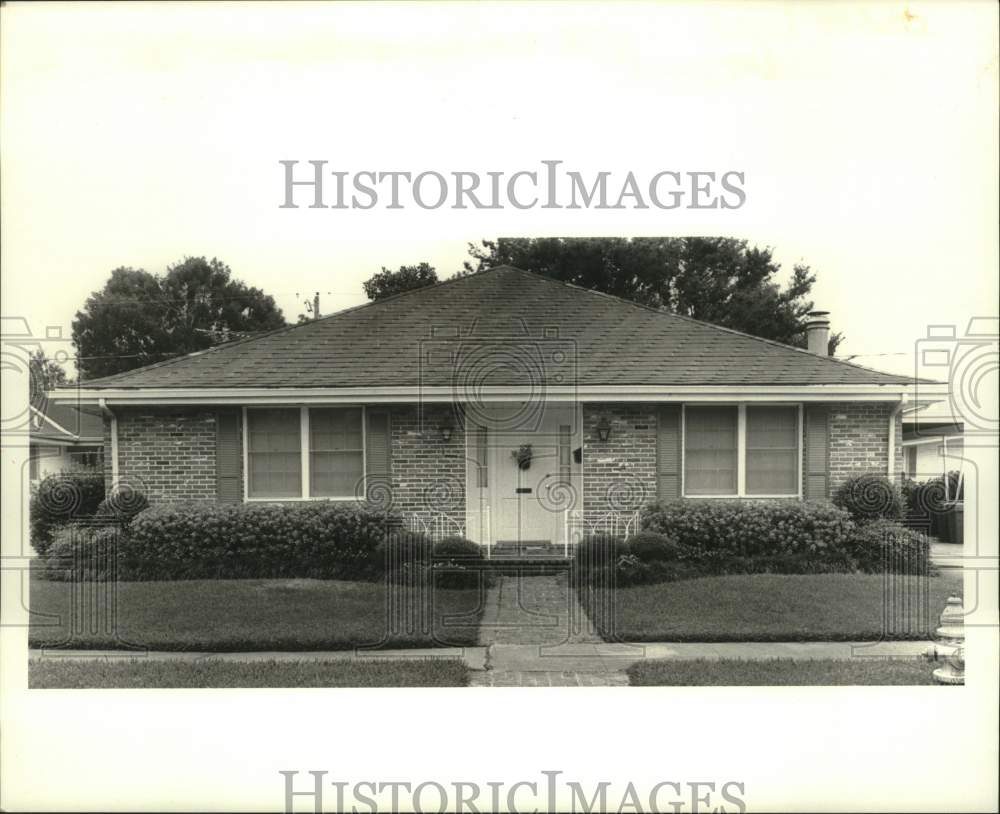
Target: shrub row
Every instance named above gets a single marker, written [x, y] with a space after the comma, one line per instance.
[684, 539]
[213, 541]
[258, 540]
[766, 528]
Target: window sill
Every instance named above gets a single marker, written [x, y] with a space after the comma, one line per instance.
[297, 499]
[742, 497]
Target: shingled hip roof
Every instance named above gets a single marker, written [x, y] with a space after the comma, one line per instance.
[500, 327]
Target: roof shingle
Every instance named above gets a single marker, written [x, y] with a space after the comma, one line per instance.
[498, 327]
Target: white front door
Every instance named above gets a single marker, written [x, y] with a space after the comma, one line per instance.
[523, 496]
[531, 476]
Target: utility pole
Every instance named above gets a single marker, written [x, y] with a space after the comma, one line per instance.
[312, 307]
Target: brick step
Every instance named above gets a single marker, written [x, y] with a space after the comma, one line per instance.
[532, 566]
[528, 549]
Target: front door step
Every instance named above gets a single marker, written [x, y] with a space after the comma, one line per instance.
[528, 548]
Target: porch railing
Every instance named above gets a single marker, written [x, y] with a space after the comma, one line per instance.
[577, 525]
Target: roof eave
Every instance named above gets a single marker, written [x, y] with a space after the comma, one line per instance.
[589, 393]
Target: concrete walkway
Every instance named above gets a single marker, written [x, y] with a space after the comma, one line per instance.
[534, 610]
[537, 635]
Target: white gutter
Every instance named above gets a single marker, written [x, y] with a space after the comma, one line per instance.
[891, 466]
[588, 393]
[114, 440]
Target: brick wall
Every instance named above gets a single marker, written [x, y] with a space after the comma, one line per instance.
[622, 471]
[859, 440]
[619, 474]
[428, 473]
[169, 453]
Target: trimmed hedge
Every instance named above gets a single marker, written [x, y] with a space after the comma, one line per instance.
[405, 548]
[261, 541]
[870, 497]
[62, 498]
[83, 552]
[723, 529]
[769, 536]
[885, 546]
[253, 540]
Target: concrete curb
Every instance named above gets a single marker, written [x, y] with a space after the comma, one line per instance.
[582, 657]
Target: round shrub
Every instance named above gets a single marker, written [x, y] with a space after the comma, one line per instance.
[457, 548]
[870, 497]
[599, 551]
[883, 546]
[122, 504]
[62, 498]
[649, 546]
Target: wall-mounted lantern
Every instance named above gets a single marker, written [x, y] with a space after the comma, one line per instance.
[603, 429]
[446, 430]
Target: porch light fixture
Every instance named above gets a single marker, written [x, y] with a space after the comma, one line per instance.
[603, 429]
[446, 430]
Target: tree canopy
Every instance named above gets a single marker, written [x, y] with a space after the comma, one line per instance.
[721, 280]
[44, 374]
[138, 318]
[385, 283]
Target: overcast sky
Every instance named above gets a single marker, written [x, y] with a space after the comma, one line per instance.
[134, 135]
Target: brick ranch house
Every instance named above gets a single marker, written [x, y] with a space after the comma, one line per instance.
[505, 406]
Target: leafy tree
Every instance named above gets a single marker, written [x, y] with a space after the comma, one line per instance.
[720, 280]
[385, 283]
[139, 318]
[43, 375]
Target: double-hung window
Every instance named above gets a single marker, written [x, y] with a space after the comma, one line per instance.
[274, 453]
[337, 452]
[304, 452]
[741, 451]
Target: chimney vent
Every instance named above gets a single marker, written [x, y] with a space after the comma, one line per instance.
[818, 332]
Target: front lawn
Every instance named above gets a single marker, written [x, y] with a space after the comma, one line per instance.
[779, 672]
[252, 614]
[771, 607]
[73, 674]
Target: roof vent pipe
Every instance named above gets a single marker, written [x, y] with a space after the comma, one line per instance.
[818, 332]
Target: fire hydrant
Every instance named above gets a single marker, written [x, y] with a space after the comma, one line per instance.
[951, 644]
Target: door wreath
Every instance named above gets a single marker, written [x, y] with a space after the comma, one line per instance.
[522, 455]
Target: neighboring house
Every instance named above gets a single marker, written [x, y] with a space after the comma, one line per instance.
[64, 436]
[503, 405]
[933, 447]
[933, 442]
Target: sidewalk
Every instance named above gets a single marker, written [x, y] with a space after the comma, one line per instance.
[596, 657]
